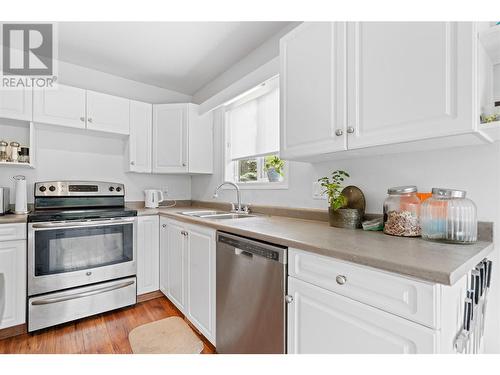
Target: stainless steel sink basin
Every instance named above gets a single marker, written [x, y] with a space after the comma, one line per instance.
[227, 216]
[203, 213]
[216, 214]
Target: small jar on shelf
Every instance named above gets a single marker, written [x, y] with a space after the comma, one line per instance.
[448, 216]
[402, 212]
[3, 152]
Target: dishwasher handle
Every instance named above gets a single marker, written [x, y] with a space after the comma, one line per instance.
[250, 248]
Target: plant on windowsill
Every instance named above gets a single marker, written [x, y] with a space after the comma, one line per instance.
[273, 165]
[338, 214]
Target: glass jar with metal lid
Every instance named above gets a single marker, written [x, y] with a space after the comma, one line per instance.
[3, 151]
[402, 212]
[448, 216]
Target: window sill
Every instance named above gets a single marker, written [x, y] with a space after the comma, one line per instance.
[259, 186]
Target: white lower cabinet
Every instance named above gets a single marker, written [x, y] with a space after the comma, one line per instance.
[12, 283]
[200, 275]
[148, 246]
[187, 272]
[320, 321]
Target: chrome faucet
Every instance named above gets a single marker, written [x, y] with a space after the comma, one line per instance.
[239, 207]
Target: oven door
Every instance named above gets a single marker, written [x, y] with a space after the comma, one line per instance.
[68, 254]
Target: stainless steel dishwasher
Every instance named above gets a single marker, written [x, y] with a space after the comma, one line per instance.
[251, 286]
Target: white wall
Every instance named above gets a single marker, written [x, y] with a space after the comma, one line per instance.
[73, 154]
[496, 84]
[468, 168]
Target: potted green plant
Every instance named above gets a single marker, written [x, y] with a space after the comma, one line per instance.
[339, 215]
[273, 165]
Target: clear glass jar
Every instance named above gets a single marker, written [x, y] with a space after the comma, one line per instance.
[402, 212]
[449, 217]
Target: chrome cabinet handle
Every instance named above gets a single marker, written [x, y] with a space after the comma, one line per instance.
[184, 233]
[339, 132]
[82, 119]
[341, 279]
[83, 294]
[90, 120]
[164, 225]
[183, 164]
[288, 298]
[132, 163]
[350, 129]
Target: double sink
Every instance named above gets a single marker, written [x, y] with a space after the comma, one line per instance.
[216, 214]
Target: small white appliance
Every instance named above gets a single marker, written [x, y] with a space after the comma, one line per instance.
[21, 202]
[152, 198]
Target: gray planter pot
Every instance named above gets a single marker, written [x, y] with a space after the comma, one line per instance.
[272, 175]
[349, 218]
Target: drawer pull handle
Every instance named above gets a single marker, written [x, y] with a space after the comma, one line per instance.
[341, 279]
[288, 298]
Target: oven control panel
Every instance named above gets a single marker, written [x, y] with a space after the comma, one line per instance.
[78, 188]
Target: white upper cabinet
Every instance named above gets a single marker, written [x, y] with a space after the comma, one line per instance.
[64, 105]
[170, 132]
[312, 84]
[409, 81]
[107, 113]
[358, 85]
[200, 134]
[16, 104]
[140, 141]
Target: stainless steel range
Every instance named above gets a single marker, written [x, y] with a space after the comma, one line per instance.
[81, 251]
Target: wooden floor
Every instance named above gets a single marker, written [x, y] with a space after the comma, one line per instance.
[104, 333]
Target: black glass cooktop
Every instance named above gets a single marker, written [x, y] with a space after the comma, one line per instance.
[79, 214]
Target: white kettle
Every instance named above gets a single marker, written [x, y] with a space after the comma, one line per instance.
[152, 198]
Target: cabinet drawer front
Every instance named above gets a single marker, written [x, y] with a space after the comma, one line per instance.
[10, 232]
[408, 298]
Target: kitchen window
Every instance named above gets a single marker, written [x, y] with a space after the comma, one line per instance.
[252, 139]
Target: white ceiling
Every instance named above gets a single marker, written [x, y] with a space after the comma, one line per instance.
[181, 56]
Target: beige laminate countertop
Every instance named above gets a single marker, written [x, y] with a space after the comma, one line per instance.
[11, 219]
[428, 261]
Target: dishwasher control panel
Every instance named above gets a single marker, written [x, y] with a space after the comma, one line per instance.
[253, 247]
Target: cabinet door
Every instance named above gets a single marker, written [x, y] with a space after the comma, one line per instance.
[200, 134]
[312, 81]
[201, 279]
[409, 81]
[170, 133]
[16, 104]
[64, 105]
[148, 256]
[107, 113]
[141, 128]
[163, 255]
[320, 321]
[12, 283]
[176, 264]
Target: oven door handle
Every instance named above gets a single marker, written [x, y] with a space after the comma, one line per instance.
[92, 292]
[76, 224]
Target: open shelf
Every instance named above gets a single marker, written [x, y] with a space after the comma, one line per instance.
[490, 38]
[22, 132]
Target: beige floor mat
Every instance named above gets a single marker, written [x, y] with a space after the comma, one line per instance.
[167, 336]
